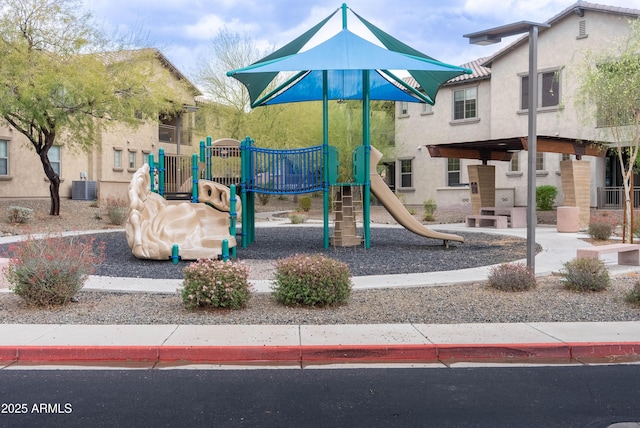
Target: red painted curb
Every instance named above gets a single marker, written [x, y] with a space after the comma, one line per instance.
[8, 353]
[236, 354]
[369, 353]
[86, 353]
[425, 353]
[605, 352]
[519, 352]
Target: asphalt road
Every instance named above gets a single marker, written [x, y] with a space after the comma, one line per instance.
[555, 396]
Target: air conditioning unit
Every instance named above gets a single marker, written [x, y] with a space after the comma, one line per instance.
[84, 190]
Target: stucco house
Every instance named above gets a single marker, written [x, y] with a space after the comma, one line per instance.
[482, 118]
[105, 171]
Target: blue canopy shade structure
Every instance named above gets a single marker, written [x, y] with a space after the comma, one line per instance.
[345, 67]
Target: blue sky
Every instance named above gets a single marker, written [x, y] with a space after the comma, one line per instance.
[183, 29]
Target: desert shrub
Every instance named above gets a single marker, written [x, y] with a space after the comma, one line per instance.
[411, 210]
[600, 231]
[512, 277]
[311, 280]
[117, 210]
[633, 296]
[263, 198]
[216, 284]
[305, 203]
[19, 214]
[429, 210]
[545, 196]
[585, 275]
[50, 271]
[297, 218]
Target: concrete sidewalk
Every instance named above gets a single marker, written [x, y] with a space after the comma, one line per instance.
[308, 345]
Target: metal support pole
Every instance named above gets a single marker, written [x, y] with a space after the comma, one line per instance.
[532, 150]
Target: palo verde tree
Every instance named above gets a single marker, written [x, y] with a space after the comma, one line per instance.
[228, 50]
[62, 81]
[609, 97]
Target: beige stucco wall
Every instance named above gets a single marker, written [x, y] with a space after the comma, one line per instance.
[500, 115]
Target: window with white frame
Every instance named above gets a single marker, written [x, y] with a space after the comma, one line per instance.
[539, 161]
[4, 157]
[404, 108]
[117, 158]
[548, 90]
[453, 172]
[406, 173]
[426, 109]
[514, 165]
[465, 103]
[132, 159]
[145, 157]
[54, 158]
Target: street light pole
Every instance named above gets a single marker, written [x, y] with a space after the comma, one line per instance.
[495, 35]
[532, 147]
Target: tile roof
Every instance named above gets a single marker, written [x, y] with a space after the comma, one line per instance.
[479, 72]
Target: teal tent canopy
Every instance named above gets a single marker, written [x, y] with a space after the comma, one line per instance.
[343, 55]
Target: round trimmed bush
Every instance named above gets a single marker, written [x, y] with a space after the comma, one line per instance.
[585, 275]
[216, 284]
[600, 231]
[511, 277]
[311, 280]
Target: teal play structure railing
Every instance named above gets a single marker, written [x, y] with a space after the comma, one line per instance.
[281, 172]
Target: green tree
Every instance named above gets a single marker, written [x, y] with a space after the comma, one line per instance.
[62, 81]
[609, 97]
[229, 50]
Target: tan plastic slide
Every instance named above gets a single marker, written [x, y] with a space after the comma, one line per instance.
[395, 207]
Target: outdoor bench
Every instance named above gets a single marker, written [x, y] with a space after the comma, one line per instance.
[477, 220]
[628, 254]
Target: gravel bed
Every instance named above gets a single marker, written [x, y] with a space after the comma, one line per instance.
[392, 251]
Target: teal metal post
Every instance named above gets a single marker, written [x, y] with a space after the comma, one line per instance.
[194, 178]
[325, 156]
[344, 16]
[174, 254]
[161, 172]
[208, 169]
[233, 216]
[152, 172]
[201, 150]
[244, 154]
[225, 250]
[366, 141]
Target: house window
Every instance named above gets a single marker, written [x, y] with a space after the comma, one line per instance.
[406, 179]
[514, 165]
[132, 159]
[548, 90]
[4, 157]
[54, 158]
[453, 172]
[539, 161]
[404, 108]
[426, 109]
[145, 158]
[117, 158]
[465, 103]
